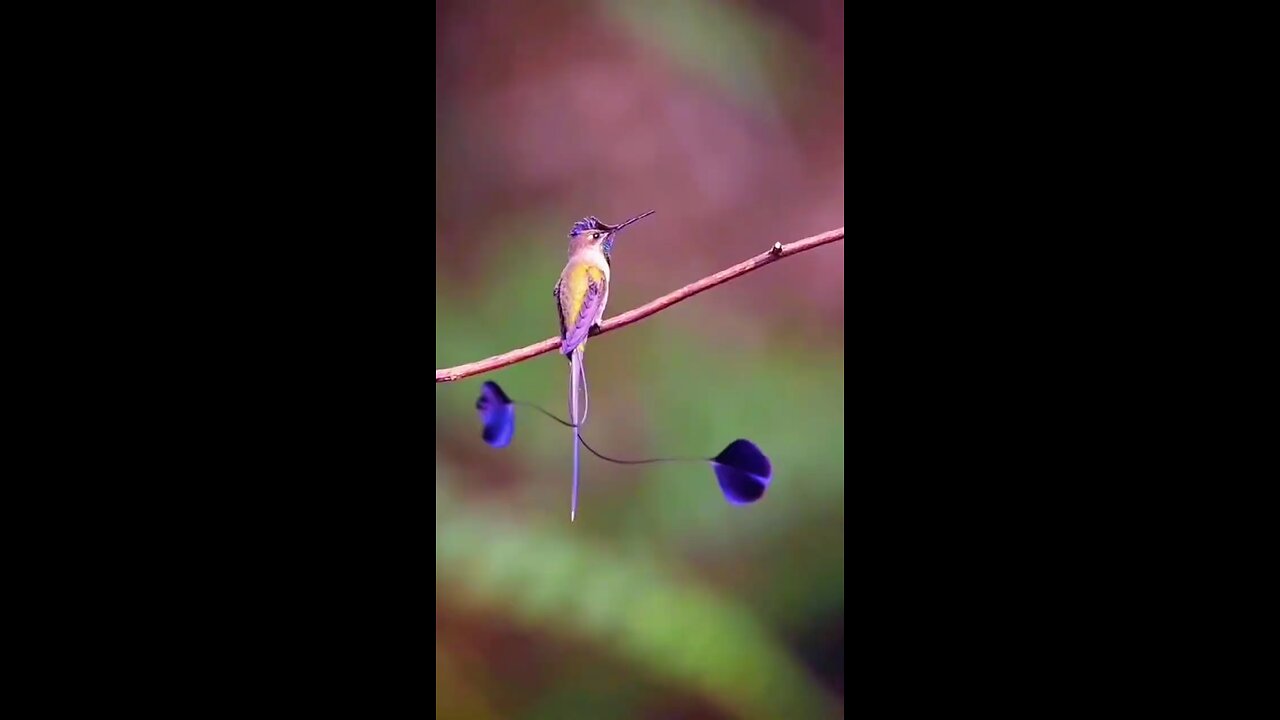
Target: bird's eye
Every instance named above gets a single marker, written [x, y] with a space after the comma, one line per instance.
[596, 236]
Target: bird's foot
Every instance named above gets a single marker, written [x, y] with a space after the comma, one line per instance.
[594, 330]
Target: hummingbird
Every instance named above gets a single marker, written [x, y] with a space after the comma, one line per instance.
[581, 295]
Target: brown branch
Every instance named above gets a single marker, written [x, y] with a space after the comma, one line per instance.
[777, 252]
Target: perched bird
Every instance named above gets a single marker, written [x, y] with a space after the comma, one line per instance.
[741, 469]
[581, 295]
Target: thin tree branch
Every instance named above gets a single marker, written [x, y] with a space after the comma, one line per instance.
[777, 252]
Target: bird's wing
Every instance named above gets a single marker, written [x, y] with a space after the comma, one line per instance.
[582, 291]
[559, 308]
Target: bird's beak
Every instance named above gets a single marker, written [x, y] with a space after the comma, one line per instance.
[616, 228]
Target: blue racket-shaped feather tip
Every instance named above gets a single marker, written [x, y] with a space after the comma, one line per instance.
[743, 472]
[497, 414]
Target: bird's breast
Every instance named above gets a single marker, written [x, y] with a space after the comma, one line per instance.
[595, 256]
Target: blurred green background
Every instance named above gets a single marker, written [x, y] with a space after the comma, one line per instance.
[662, 600]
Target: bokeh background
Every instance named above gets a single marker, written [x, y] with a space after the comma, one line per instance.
[662, 601]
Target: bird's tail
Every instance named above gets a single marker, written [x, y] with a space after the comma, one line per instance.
[577, 376]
